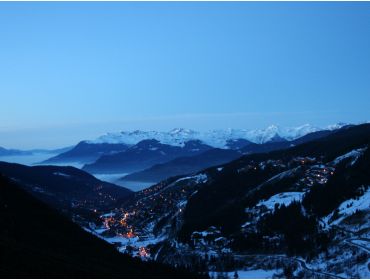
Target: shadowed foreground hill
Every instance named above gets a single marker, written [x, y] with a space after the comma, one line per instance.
[65, 188]
[36, 241]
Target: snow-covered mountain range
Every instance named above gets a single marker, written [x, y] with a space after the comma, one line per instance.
[214, 138]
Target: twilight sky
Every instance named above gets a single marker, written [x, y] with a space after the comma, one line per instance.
[74, 70]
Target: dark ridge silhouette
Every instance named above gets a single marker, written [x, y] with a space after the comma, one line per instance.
[143, 155]
[37, 242]
[183, 165]
[65, 187]
[85, 152]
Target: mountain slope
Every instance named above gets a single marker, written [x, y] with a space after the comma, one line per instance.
[36, 242]
[278, 145]
[143, 155]
[65, 188]
[304, 209]
[188, 165]
[212, 203]
[183, 165]
[85, 152]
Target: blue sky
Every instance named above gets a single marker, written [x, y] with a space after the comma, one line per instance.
[74, 70]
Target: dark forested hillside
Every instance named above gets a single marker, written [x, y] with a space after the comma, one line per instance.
[349, 181]
[65, 187]
[222, 200]
[37, 242]
[183, 165]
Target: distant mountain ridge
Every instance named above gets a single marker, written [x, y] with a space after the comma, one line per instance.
[86, 152]
[13, 152]
[183, 165]
[117, 154]
[214, 138]
[213, 157]
[16, 152]
[89, 151]
[143, 155]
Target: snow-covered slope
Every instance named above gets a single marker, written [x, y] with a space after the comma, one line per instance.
[215, 138]
[348, 208]
[285, 198]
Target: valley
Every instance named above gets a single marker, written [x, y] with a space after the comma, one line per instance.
[298, 210]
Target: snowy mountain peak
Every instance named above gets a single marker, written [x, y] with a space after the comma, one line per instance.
[181, 131]
[336, 125]
[272, 127]
[216, 138]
